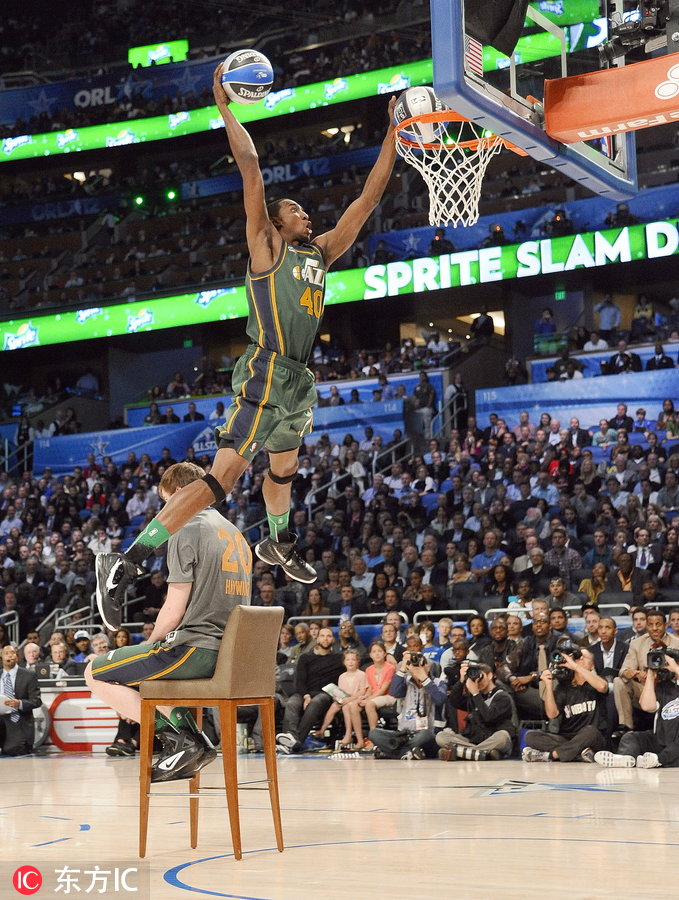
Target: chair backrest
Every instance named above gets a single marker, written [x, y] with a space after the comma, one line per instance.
[467, 589]
[247, 654]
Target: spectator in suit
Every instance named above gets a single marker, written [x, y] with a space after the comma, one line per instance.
[627, 577]
[609, 653]
[628, 686]
[624, 361]
[660, 361]
[667, 569]
[621, 419]
[20, 687]
[579, 437]
[349, 604]
[193, 415]
[642, 552]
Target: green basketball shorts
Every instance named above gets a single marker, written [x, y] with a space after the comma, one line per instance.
[145, 662]
[272, 404]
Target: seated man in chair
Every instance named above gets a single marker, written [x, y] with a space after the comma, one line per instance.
[210, 565]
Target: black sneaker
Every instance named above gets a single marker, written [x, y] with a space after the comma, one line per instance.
[182, 751]
[114, 574]
[285, 555]
[121, 748]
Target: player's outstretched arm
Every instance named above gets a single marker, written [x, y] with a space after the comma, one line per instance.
[259, 231]
[337, 241]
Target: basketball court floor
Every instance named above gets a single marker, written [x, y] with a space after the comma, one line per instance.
[352, 827]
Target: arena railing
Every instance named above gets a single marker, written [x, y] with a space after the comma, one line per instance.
[435, 615]
[394, 455]
[602, 606]
[86, 620]
[376, 616]
[296, 620]
[441, 423]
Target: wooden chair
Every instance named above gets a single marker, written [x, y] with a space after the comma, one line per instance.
[244, 676]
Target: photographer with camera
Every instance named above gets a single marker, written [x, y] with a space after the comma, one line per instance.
[574, 701]
[660, 695]
[418, 683]
[492, 721]
[628, 687]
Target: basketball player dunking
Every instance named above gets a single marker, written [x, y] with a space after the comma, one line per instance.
[274, 391]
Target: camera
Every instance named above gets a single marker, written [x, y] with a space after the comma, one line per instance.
[474, 671]
[643, 27]
[559, 672]
[565, 646]
[417, 659]
[655, 659]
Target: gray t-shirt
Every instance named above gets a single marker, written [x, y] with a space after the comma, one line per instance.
[210, 552]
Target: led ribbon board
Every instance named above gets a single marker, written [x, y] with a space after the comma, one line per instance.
[589, 250]
[299, 99]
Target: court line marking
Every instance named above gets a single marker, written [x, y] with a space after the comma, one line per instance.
[57, 841]
[171, 876]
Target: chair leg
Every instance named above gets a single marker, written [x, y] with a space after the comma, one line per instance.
[146, 732]
[227, 715]
[269, 741]
[194, 788]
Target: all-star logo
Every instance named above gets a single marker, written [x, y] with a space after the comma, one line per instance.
[205, 441]
[99, 446]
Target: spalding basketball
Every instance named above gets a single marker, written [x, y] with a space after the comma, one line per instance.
[414, 102]
[247, 76]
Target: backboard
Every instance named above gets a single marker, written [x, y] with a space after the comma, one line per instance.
[505, 94]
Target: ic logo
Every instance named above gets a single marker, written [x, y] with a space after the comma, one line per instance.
[27, 880]
[669, 89]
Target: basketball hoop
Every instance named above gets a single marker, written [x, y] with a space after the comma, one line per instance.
[453, 165]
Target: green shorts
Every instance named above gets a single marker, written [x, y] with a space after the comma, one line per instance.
[145, 662]
[272, 404]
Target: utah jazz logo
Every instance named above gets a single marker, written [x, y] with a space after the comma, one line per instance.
[311, 271]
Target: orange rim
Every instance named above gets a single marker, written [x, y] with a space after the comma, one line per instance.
[449, 115]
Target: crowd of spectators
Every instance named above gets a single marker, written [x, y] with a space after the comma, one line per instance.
[513, 518]
[292, 67]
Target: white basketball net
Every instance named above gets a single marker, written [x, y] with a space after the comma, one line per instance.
[453, 168]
